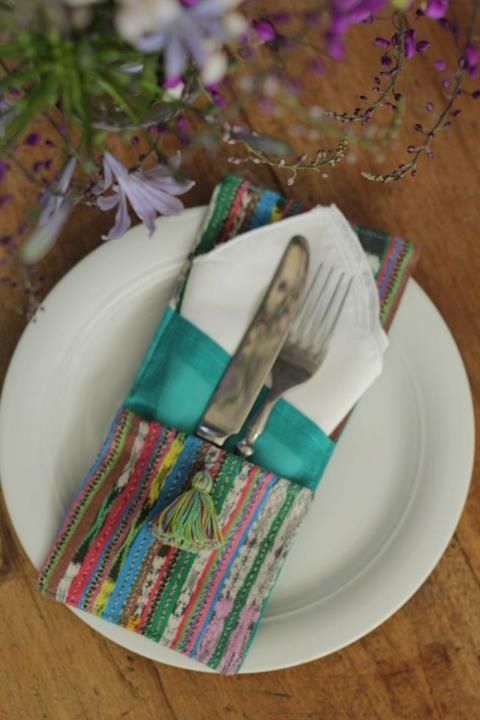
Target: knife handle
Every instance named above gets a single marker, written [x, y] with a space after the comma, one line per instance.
[259, 347]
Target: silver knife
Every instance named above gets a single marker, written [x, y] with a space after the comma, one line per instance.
[249, 367]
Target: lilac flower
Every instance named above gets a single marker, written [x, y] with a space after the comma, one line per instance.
[57, 205]
[150, 192]
[216, 95]
[334, 46]
[195, 32]
[422, 45]
[471, 54]
[436, 9]
[471, 58]
[410, 47]
[264, 30]
[344, 14]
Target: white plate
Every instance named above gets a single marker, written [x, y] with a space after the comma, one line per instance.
[384, 512]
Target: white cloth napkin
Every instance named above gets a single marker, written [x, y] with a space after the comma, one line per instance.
[226, 286]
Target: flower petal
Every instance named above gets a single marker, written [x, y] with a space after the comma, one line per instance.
[66, 176]
[171, 186]
[214, 68]
[147, 201]
[213, 8]
[152, 43]
[111, 164]
[175, 58]
[194, 40]
[141, 203]
[53, 200]
[122, 220]
[44, 237]
[108, 202]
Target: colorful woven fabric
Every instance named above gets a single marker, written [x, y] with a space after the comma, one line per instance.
[106, 560]
[239, 206]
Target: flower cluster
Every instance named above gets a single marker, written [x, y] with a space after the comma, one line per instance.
[193, 30]
[151, 70]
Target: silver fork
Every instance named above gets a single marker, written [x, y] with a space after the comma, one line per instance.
[305, 348]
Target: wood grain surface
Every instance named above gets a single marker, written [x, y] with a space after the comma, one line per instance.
[423, 663]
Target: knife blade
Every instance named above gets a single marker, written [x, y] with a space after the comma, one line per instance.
[257, 351]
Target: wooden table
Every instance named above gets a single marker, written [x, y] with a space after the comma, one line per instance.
[425, 661]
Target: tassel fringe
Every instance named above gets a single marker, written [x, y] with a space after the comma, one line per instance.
[190, 522]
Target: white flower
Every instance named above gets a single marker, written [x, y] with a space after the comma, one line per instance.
[193, 32]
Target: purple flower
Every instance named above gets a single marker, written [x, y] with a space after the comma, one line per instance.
[172, 83]
[57, 205]
[216, 95]
[32, 139]
[440, 65]
[471, 57]
[3, 169]
[436, 9]
[382, 42]
[150, 193]
[335, 47]
[422, 45]
[471, 54]
[344, 14]
[410, 45]
[264, 30]
[195, 33]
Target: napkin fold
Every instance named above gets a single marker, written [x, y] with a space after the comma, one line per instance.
[105, 559]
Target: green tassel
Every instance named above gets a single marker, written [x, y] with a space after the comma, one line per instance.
[190, 522]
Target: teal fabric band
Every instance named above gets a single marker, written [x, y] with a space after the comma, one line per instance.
[176, 380]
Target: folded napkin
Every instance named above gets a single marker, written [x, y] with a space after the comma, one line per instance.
[106, 558]
[239, 272]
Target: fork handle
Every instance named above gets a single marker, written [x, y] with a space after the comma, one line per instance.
[246, 446]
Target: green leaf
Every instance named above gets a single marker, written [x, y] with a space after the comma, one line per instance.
[80, 102]
[19, 78]
[109, 85]
[41, 96]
